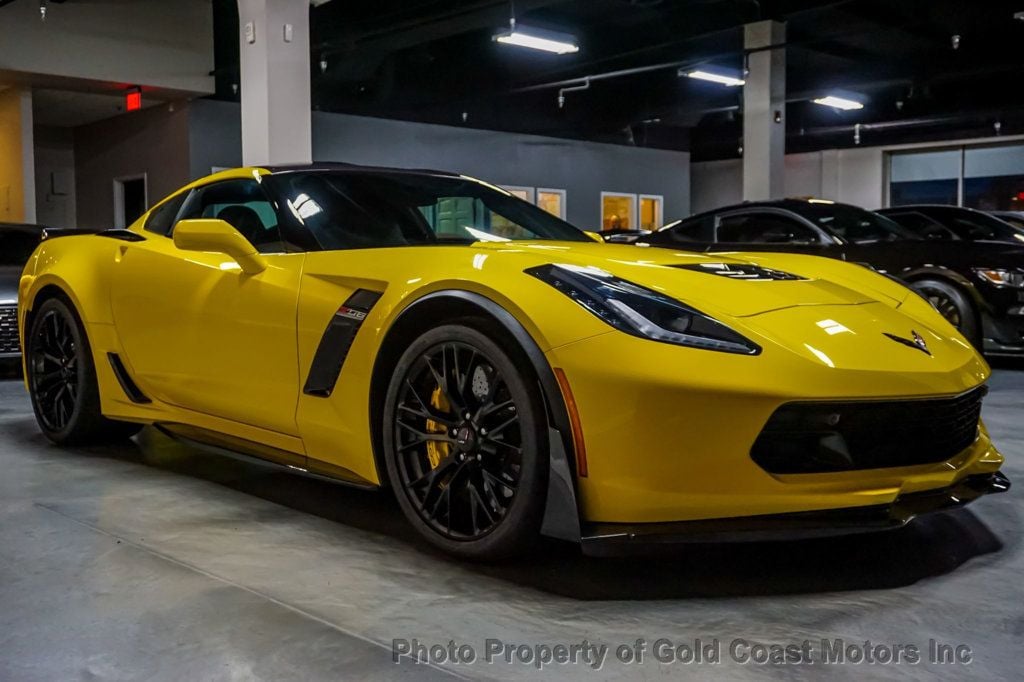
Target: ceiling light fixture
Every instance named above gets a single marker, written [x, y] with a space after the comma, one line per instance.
[538, 39]
[713, 77]
[837, 102]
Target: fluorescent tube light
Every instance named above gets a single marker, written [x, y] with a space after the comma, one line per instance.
[839, 103]
[722, 79]
[537, 39]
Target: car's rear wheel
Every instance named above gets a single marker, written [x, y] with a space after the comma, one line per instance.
[463, 436]
[62, 380]
[954, 305]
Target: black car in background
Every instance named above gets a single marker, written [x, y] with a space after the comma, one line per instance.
[976, 285]
[17, 242]
[954, 223]
[1015, 218]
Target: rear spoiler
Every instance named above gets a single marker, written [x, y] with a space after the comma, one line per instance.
[123, 235]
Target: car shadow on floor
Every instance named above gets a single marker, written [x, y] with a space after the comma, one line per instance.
[930, 546]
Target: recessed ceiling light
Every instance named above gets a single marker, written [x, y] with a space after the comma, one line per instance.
[714, 77]
[837, 102]
[538, 39]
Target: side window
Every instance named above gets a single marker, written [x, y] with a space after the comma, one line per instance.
[763, 228]
[162, 218]
[241, 203]
[921, 225]
[692, 230]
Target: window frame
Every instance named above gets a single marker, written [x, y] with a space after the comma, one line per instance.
[824, 239]
[531, 192]
[633, 212]
[659, 218]
[561, 202]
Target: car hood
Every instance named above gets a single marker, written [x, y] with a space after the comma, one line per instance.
[738, 285]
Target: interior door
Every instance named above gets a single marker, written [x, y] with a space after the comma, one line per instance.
[199, 333]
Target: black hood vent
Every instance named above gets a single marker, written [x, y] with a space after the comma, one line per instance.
[740, 271]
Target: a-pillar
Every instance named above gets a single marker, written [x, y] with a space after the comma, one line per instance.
[275, 82]
[764, 111]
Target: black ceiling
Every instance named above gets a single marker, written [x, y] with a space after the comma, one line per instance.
[434, 61]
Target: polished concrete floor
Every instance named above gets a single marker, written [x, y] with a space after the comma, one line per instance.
[153, 561]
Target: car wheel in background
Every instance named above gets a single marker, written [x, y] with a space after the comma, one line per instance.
[954, 305]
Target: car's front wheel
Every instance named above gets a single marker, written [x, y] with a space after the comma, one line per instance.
[62, 380]
[463, 438]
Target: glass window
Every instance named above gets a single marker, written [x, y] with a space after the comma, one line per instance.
[552, 201]
[243, 205]
[924, 177]
[618, 211]
[162, 218]
[650, 212]
[764, 228]
[921, 225]
[994, 178]
[973, 225]
[853, 224]
[351, 210]
[17, 245]
[524, 193]
[698, 229]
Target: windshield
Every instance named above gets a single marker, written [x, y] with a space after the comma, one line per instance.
[352, 210]
[16, 246]
[854, 225]
[975, 225]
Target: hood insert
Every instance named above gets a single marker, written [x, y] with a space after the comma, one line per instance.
[740, 271]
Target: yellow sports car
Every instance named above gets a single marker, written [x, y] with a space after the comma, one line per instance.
[504, 373]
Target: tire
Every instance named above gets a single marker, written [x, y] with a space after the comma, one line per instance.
[474, 487]
[954, 305]
[62, 380]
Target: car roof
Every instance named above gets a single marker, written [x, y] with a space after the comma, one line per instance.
[788, 204]
[337, 166]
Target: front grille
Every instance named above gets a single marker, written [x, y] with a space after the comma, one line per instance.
[819, 437]
[9, 343]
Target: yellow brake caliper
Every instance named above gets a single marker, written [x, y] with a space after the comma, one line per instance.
[436, 450]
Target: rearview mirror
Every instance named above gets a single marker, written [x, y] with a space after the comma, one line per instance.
[212, 235]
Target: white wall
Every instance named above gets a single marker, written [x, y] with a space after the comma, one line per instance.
[853, 176]
[156, 43]
[55, 177]
[583, 169]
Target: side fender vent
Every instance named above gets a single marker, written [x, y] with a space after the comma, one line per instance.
[129, 387]
[337, 341]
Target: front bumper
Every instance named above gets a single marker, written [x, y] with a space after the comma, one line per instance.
[609, 539]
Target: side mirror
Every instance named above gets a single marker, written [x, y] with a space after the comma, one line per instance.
[595, 236]
[212, 235]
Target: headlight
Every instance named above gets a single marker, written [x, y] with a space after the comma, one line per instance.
[642, 312]
[1002, 278]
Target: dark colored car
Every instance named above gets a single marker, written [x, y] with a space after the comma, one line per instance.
[977, 285]
[623, 235]
[1015, 218]
[954, 223]
[17, 242]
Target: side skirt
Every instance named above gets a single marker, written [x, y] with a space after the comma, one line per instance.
[261, 455]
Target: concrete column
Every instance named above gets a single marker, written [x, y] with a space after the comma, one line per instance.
[275, 87]
[17, 157]
[764, 111]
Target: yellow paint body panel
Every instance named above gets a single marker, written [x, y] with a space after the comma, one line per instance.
[668, 429]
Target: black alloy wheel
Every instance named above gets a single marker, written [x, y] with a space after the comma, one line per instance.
[54, 356]
[954, 305]
[62, 379]
[463, 443]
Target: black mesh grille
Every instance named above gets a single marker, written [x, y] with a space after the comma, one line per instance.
[803, 438]
[9, 330]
